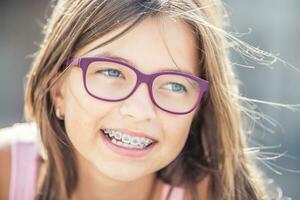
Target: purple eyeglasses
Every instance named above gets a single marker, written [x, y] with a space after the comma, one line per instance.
[112, 80]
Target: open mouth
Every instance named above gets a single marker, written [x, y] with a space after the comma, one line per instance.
[126, 141]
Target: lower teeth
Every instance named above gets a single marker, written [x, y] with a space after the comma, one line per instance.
[129, 146]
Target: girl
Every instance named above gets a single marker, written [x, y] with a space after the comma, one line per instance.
[131, 100]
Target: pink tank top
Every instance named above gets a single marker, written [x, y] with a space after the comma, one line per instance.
[24, 168]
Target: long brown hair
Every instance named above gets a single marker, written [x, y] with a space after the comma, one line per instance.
[216, 141]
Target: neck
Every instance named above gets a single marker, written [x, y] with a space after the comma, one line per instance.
[93, 185]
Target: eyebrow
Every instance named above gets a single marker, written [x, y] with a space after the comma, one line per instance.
[115, 57]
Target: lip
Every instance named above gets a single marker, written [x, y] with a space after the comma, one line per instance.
[125, 151]
[133, 133]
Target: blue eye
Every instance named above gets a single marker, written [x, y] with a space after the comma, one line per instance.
[111, 72]
[176, 87]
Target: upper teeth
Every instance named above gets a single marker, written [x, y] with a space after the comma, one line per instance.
[135, 140]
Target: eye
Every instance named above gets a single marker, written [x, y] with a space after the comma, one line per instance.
[110, 73]
[176, 87]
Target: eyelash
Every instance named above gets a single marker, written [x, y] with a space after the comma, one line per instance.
[106, 70]
[107, 74]
[183, 87]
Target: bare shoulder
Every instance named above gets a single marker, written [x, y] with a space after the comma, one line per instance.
[5, 160]
[202, 188]
[26, 132]
[9, 135]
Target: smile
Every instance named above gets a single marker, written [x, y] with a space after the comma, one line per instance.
[125, 140]
[125, 144]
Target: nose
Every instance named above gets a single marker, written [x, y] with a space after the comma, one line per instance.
[139, 105]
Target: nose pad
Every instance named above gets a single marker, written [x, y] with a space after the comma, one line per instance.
[139, 105]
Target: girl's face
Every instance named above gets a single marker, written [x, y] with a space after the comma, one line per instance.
[146, 46]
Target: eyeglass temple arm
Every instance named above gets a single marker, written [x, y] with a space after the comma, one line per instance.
[72, 61]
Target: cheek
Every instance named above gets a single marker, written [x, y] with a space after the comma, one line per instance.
[83, 115]
[176, 131]
[177, 127]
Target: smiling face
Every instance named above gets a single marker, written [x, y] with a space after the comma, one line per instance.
[146, 46]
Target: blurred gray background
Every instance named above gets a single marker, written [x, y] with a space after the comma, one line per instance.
[275, 28]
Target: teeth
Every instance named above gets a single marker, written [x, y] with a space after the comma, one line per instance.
[127, 140]
[111, 134]
[119, 143]
[135, 140]
[118, 135]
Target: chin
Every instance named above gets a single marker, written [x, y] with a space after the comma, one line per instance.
[121, 173]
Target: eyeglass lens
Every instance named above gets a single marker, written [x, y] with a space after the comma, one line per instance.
[113, 81]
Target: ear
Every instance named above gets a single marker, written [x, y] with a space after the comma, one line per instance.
[57, 94]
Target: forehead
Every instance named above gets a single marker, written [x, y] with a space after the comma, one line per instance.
[155, 44]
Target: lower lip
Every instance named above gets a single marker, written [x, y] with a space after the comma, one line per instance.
[124, 151]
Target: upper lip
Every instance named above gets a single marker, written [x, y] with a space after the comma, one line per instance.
[133, 133]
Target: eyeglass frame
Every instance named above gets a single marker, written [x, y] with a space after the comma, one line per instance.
[83, 63]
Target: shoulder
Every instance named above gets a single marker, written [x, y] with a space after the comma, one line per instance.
[5, 157]
[20, 132]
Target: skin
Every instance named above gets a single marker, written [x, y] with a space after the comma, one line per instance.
[103, 174]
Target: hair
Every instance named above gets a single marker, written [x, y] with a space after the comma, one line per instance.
[216, 142]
